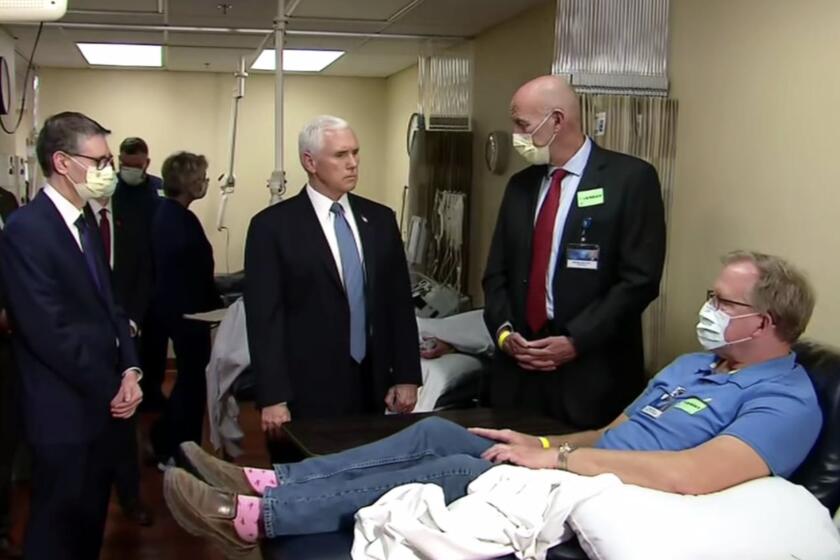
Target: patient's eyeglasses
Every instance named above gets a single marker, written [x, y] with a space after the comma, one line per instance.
[715, 300]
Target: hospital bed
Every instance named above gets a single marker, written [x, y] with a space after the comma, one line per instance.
[820, 473]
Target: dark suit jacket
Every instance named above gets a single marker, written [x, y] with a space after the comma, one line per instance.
[599, 309]
[297, 313]
[71, 341]
[8, 204]
[183, 263]
[133, 266]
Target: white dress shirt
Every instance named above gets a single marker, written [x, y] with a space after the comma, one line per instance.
[326, 218]
[67, 210]
[574, 170]
[97, 209]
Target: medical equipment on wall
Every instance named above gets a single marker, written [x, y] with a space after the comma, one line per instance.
[433, 299]
[416, 241]
[14, 176]
[449, 237]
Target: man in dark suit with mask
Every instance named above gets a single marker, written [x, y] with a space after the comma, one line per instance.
[9, 428]
[331, 326]
[576, 257]
[71, 340]
[124, 226]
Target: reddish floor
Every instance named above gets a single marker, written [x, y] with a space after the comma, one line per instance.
[165, 540]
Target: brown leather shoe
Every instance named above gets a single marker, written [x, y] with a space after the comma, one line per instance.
[206, 512]
[215, 472]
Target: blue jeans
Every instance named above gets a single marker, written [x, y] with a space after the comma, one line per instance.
[322, 494]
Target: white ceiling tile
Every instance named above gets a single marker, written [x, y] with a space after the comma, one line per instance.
[220, 52]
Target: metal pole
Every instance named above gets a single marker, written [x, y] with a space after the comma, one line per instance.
[242, 31]
[277, 182]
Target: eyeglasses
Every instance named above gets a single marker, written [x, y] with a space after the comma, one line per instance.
[715, 300]
[101, 163]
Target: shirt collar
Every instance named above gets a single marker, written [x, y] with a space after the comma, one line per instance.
[96, 207]
[577, 163]
[752, 374]
[66, 208]
[323, 204]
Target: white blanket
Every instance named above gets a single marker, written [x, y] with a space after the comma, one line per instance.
[507, 510]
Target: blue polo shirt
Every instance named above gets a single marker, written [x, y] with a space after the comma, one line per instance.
[770, 406]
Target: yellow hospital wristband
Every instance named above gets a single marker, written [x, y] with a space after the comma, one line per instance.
[544, 441]
[502, 337]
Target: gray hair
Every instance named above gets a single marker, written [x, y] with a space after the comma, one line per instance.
[311, 137]
[179, 170]
[782, 291]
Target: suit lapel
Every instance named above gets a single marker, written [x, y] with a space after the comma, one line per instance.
[66, 242]
[311, 228]
[591, 179]
[367, 238]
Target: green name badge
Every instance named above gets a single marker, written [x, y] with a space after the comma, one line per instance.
[692, 405]
[592, 197]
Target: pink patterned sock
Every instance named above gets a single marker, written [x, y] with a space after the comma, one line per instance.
[261, 479]
[248, 518]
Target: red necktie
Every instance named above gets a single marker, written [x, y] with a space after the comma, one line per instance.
[535, 312]
[105, 232]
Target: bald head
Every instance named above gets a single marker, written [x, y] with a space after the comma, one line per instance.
[548, 108]
[545, 94]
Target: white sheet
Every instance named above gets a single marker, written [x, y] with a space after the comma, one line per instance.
[507, 509]
[466, 332]
[443, 373]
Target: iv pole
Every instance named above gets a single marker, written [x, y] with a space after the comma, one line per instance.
[277, 181]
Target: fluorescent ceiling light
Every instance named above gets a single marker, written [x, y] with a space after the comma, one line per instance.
[110, 54]
[297, 60]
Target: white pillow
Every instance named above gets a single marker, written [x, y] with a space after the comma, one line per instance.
[764, 519]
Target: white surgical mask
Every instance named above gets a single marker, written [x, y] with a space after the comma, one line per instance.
[711, 328]
[99, 183]
[132, 175]
[523, 142]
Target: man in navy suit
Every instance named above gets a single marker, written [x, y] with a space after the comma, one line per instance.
[79, 369]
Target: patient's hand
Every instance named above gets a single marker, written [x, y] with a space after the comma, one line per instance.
[273, 418]
[401, 398]
[432, 348]
[524, 456]
[508, 436]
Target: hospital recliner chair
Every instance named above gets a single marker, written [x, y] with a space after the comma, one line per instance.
[820, 473]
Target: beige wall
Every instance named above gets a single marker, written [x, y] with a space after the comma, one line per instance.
[502, 64]
[191, 111]
[757, 147]
[401, 97]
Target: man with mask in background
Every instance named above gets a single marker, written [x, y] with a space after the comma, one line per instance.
[79, 369]
[123, 225]
[140, 193]
[575, 258]
[134, 165]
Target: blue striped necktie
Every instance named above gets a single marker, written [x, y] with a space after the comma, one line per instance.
[354, 282]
